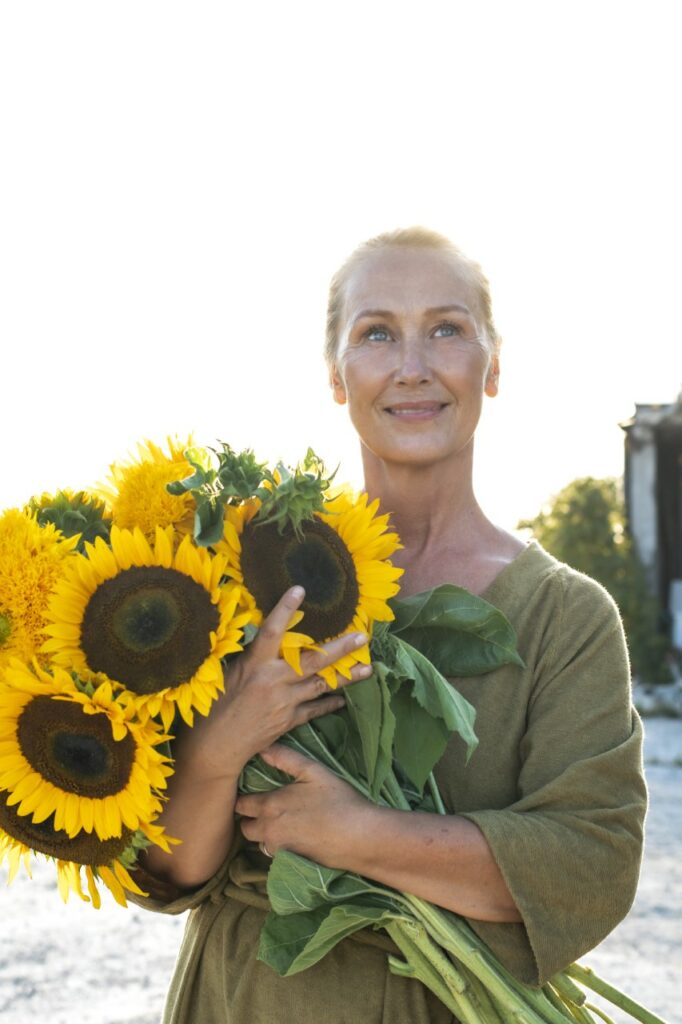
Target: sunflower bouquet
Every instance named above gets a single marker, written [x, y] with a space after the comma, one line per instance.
[118, 609]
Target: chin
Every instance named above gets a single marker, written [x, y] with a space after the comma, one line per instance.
[416, 456]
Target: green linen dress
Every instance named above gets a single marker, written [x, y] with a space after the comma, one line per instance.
[556, 787]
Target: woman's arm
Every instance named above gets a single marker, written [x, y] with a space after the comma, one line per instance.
[264, 698]
[442, 858]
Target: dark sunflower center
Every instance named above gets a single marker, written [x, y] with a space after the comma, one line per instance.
[319, 561]
[84, 848]
[74, 751]
[149, 628]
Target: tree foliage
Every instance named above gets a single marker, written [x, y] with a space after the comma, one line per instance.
[584, 526]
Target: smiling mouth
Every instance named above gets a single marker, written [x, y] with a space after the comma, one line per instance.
[415, 410]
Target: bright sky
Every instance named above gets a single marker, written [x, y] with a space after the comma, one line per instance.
[181, 180]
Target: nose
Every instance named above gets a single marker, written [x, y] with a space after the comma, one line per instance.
[413, 366]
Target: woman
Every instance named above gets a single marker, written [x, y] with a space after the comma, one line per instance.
[543, 851]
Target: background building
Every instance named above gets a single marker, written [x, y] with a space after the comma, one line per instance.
[653, 495]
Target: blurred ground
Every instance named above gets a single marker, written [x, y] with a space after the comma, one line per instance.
[61, 964]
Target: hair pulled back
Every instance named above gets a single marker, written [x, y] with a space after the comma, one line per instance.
[415, 238]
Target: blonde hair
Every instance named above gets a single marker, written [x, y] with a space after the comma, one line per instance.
[418, 238]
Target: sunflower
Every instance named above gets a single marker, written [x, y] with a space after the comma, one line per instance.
[340, 557]
[154, 620]
[82, 760]
[136, 493]
[32, 559]
[105, 861]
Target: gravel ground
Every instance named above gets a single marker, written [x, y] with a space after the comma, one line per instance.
[64, 963]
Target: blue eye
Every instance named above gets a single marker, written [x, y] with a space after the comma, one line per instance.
[377, 334]
[448, 330]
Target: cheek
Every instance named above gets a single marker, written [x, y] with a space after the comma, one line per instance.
[363, 376]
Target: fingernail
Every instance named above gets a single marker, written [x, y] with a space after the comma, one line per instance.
[361, 639]
[365, 670]
[297, 593]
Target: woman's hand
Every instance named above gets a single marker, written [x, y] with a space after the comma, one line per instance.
[441, 858]
[264, 697]
[317, 815]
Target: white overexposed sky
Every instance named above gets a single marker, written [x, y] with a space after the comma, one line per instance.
[179, 182]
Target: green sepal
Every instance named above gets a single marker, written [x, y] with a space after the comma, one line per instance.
[5, 628]
[138, 843]
[296, 496]
[250, 632]
[238, 476]
[204, 474]
[76, 515]
[208, 522]
[462, 634]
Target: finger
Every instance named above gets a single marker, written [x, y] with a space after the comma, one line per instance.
[315, 686]
[287, 760]
[269, 639]
[250, 830]
[316, 708]
[330, 652]
[250, 805]
[357, 673]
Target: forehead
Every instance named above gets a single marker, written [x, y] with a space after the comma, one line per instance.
[407, 280]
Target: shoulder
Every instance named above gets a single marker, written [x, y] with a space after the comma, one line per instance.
[558, 613]
[538, 576]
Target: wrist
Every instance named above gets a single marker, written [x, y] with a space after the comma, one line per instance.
[200, 779]
[359, 842]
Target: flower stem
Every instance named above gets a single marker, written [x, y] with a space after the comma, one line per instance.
[454, 935]
[587, 977]
[435, 794]
[434, 970]
[394, 794]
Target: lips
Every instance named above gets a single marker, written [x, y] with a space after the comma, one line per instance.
[415, 410]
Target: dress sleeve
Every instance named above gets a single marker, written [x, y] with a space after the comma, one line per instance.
[163, 897]
[569, 848]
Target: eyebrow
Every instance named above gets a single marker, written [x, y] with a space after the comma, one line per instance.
[453, 307]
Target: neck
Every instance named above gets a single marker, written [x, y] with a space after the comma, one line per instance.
[430, 506]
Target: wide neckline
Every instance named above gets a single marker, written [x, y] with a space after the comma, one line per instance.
[532, 545]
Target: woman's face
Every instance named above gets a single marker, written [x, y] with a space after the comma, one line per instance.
[413, 362]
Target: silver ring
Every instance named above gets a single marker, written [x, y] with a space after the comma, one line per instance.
[263, 849]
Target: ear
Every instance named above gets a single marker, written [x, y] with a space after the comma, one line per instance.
[492, 377]
[337, 385]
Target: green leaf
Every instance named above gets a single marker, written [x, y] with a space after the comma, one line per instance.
[293, 943]
[259, 777]
[462, 634]
[352, 758]
[296, 884]
[200, 461]
[334, 731]
[369, 707]
[302, 928]
[435, 694]
[420, 739]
